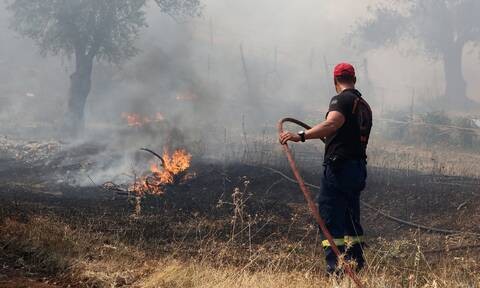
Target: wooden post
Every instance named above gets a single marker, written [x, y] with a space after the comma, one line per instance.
[412, 104]
[382, 111]
[312, 59]
[209, 65]
[210, 50]
[210, 28]
[245, 71]
[410, 122]
[327, 74]
[275, 59]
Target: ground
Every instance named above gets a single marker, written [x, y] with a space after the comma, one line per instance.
[59, 234]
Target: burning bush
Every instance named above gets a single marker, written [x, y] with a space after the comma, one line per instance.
[173, 170]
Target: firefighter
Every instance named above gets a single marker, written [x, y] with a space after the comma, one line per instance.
[345, 131]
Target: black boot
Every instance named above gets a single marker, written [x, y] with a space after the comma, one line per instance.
[355, 253]
[331, 260]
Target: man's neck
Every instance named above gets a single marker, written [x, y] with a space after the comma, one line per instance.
[342, 88]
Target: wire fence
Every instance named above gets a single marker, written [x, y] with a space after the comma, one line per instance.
[409, 146]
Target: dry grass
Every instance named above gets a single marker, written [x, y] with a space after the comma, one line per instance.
[49, 246]
[194, 250]
[435, 160]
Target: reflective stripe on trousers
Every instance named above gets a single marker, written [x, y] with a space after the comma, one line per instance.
[347, 240]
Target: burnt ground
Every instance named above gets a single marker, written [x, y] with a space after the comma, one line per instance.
[202, 208]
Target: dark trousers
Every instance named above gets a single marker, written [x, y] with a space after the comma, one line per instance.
[339, 206]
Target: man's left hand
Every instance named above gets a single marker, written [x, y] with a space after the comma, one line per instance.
[289, 136]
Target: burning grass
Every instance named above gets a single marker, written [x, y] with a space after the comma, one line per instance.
[137, 121]
[259, 235]
[173, 170]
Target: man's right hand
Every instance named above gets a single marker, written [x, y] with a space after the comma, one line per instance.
[289, 136]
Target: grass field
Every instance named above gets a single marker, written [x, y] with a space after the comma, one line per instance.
[199, 235]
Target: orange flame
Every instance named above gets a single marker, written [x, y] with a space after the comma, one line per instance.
[187, 96]
[159, 117]
[178, 162]
[157, 178]
[137, 121]
[133, 120]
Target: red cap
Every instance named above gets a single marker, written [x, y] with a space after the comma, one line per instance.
[344, 69]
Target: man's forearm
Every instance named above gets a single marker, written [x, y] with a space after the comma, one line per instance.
[321, 131]
[334, 121]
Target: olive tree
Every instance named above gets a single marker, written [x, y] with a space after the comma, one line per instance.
[88, 31]
[443, 27]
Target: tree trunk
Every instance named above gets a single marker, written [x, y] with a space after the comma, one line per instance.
[80, 85]
[455, 92]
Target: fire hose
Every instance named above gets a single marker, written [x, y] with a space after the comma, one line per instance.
[309, 199]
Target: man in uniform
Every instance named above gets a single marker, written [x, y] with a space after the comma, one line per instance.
[345, 132]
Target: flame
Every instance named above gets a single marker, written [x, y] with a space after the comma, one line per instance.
[178, 162]
[174, 166]
[159, 117]
[187, 96]
[133, 120]
[137, 121]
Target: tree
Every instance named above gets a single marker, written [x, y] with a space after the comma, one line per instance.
[444, 27]
[88, 30]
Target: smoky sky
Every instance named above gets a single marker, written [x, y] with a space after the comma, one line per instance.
[239, 59]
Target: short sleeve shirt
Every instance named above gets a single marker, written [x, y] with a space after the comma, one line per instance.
[345, 143]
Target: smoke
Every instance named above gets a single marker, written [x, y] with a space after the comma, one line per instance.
[241, 63]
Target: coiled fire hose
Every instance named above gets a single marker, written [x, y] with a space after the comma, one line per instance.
[309, 198]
